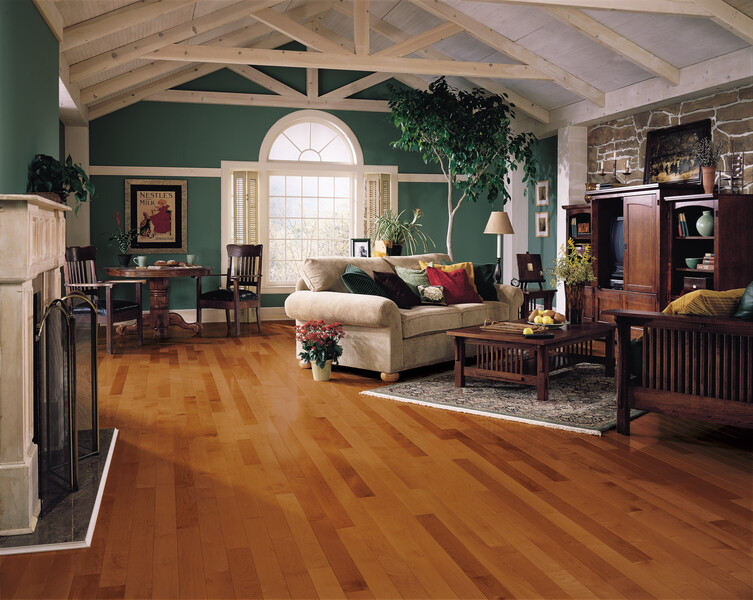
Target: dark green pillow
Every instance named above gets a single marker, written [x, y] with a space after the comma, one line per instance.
[483, 276]
[745, 308]
[358, 281]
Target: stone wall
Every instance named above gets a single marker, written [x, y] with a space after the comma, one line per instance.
[624, 140]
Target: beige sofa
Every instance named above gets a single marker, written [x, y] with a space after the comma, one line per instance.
[379, 336]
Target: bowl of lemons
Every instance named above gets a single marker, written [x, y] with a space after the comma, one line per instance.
[547, 318]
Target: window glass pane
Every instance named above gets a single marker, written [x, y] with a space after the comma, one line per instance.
[293, 228]
[342, 187]
[276, 185]
[310, 156]
[276, 250]
[326, 229]
[276, 229]
[309, 248]
[282, 149]
[310, 228]
[337, 151]
[276, 207]
[277, 271]
[326, 186]
[326, 208]
[293, 250]
[300, 135]
[309, 186]
[341, 229]
[340, 248]
[310, 207]
[292, 272]
[293, 207]
[321, 135]
[293, 185]
[342, 207]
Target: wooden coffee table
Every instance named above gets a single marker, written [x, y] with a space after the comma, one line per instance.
[528, 361]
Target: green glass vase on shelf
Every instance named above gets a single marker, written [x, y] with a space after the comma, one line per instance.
[705, 224]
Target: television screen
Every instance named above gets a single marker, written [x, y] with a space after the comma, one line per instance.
[616, 245]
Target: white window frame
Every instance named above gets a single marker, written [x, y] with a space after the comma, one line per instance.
[265, 168]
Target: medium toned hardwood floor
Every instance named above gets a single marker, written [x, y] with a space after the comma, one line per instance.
[237, 476]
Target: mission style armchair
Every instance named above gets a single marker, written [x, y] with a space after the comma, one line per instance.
[243, 285]
[80, 272]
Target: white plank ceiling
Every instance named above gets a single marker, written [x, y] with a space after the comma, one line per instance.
[554, 57]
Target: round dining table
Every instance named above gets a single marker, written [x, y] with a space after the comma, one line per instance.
[160, 317]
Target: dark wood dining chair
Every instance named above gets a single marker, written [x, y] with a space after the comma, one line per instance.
[80, 272]
[243, 285]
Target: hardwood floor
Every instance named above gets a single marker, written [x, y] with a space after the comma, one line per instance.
[237, 476]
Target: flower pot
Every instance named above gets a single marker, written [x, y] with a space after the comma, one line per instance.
[124, 259]
[705, 224]
[574, 297]
[708, 176]
[321, 373]
[394, 250]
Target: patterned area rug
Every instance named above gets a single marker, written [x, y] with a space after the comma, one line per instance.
[581, 398]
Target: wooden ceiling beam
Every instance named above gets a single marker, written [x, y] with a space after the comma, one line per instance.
[730, 18]
[502, 44]
[686, 8]
[422, 40]
[345, 62]
[235, 99]
[298, 32]
[364, 83]
[51, 16]
[398, 35]
[361, 27]
[272, 84]
[615, 42]
[133, 51]
[117, 20]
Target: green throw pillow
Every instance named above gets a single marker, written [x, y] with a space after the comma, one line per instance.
[358, 281]
[413, 277]
[745, 309]
[484, 277]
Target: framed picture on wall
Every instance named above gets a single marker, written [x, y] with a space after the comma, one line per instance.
[542, 193]
[542, 224]
[669, 153]
[157, 207]
[360, 247]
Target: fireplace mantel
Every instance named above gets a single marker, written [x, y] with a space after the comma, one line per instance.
[32, 250]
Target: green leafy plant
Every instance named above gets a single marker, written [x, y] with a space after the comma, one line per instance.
[122, 238]
[707, 153]
[319, 342]
[572, 266]
[392, 227]
[48, 174]
[468, 134]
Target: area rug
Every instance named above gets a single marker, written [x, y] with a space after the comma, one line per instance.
[581, 398]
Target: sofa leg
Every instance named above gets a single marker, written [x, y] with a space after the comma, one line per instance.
[390, 377]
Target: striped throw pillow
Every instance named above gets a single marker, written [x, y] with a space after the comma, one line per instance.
[359, 281]
[706, 303]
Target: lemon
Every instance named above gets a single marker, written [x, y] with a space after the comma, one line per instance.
[527, 331]
[548, 320]
[538, 320]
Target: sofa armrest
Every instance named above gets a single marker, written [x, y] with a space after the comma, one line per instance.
[357, 310]
[510, 295]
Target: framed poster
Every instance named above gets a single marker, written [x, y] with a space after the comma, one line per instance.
[542, 193]
[158, 208]
[542, 224]
[669, 153]
[360, 247]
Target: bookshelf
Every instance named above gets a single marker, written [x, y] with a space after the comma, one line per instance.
[579, 230]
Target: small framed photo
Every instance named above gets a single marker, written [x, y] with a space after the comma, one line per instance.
[584, 228]
[542, 193]
[360, 247]
[542, 224]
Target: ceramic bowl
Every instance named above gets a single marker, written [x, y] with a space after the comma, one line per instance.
[692, 262]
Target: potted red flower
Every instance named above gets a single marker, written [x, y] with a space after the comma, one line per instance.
[320, 348]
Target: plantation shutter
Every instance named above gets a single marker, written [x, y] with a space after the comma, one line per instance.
[377, 198]
[244, 226]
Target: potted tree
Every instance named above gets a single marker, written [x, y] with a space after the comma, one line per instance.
[47, 175]
[123, 238]
[396, 232]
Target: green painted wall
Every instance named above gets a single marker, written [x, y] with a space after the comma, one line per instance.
[28, 92]
[546, 156]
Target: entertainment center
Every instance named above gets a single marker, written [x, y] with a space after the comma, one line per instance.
[655, 244]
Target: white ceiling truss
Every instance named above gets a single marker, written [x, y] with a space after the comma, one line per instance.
[557, 60]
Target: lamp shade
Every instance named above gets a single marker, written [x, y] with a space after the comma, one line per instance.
[499, 222]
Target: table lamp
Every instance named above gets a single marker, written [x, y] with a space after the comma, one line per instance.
[499, 223]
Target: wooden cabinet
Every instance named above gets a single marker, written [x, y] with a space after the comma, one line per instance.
[641, 252]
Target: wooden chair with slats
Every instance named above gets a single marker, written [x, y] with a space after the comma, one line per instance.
[243, 285]
[80, 272]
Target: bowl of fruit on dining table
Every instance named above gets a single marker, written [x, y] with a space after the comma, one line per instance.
[547, 318]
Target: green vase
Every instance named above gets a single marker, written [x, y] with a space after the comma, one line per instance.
[705, 224]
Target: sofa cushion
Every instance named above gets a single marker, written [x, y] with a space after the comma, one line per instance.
[475, 314]
[359, 282]
[706, 303]
[432, 294]
[745, 308]
[412, 277]
[483, 277]
[457, 287]
[425, 319]
[322, 274]
[396, 289]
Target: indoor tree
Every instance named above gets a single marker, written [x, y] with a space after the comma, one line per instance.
[469, 134]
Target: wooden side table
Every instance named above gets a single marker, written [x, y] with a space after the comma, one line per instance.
[529, 300]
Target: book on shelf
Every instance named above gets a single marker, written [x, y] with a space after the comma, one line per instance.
[705, 267]
[573, 227]
[683, 225]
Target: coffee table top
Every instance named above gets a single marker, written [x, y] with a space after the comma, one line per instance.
[565, 335]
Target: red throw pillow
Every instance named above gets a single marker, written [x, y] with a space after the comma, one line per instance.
[457, 286]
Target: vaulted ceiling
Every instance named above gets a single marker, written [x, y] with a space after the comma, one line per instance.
[559, 61]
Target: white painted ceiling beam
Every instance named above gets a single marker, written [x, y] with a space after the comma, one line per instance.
[730, 18]
[422, 40]
[357, 86]
[117, 20]
[266, 81]
[617, 43]
[413, 81]
[296, 31]
[133, 51]
[312, 83]
[236, 99]
[361, 27]
[499, 42]
[346, 62]
[687, 8]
